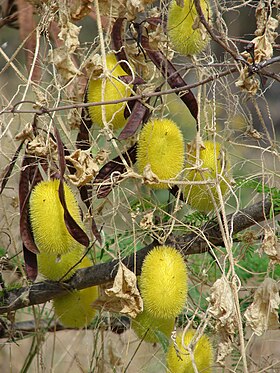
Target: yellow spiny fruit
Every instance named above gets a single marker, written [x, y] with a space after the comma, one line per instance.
[161, 145]
[181, 363]
[186, 33]
[47, 221]
[54, 266]
[146, 326]
[114, 89]
[74, 309]
[163, 282]
[214, 161]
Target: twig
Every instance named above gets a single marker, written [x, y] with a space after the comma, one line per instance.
[45, 110]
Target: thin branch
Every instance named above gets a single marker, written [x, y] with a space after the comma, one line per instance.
[17, 330]
[216, 37]
[190, 243]
[143, 96]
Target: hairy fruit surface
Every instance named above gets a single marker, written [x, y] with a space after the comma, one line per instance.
[75, 309]
[179, 361]
[213, 163]
[54, 266]
[163, 282]
[148, 327]
[186, 32]
[114, 89]
[161, 145]
[47, 218]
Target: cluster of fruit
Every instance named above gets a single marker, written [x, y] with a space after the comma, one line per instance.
[162, 283]
[163, 286]
[161, 150]
[60, 254]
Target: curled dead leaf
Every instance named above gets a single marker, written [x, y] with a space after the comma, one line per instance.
[252, 132]
[149, 176]
[39, 147]
[123, 296]
[262, 48]
[247, 82]
[61, 58]
[86, 167]
[26, 133]
[69, 34]
[122, 8]
[222, 309]
[147, 221]
[94, 66]
[262, 314]
[102, 156]
[271, 246]
[80, 9]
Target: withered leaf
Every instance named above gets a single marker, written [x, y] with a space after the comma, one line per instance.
[82, 141]
[31, 267]
[222, 309]
[271, 246]
[103, 178]
[8, 170]
[137, 117]
[174, 79]
[72, 226]
[128, 79]
[85, 194]
[263, 312]
[123, 296]
[24, 193]
[60, 150]
[118, 44]
[85, 167]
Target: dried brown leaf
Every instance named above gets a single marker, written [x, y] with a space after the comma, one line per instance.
[85, 166]
[262, 314]
[136, 118]
[247, 82]
[263, 48]
[80, 9]
[72, 226]
[147, 221]
[123, 296]
[270, 246]
[102, 156]
[122, 8]
[69, 34]
[26, 133]
[8, 170]
[222, 309]
[149, 177]
[41, 147]
[94, 66]
[31, 267]
[64, 64]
